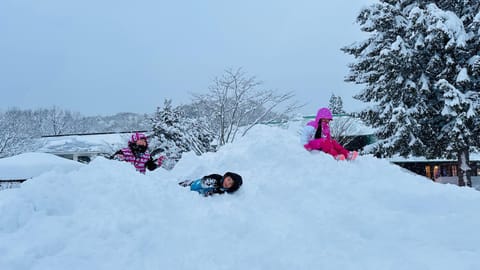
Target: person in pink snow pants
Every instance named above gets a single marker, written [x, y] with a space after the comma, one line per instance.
[316, 136]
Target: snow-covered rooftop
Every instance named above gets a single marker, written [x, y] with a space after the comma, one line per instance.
[99, 143]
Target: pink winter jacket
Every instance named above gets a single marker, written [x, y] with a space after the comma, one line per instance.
[308, 132]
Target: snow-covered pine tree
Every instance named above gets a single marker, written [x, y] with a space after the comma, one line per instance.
[388, 72]
[459, 86]
[335, 104]
[201, 137]
[168, 138]
[418, 68]
[174, 134]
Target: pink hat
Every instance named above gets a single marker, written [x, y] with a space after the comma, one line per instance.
[324, 113]
[137, 136]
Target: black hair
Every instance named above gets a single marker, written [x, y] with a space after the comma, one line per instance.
[318, 133]
[137, 150]
[237, 182]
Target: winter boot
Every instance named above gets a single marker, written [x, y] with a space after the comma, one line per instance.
[352, 155]
[186, 183]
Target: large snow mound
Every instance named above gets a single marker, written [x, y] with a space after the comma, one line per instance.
[28, 165]
[296, 210]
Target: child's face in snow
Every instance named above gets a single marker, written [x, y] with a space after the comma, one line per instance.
[227, 182]
[142, 142]
[326, 120]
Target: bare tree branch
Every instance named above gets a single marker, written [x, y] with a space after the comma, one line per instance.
[343, 128]
[235, 100]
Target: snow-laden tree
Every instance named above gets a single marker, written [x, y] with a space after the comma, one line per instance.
[120, 122]
[419, 68]
[174, 134]
[343, 129]
[16, 132]
[168, 137]
[335, 104]
[57, 121]
[200, 137]
[236, 100]
[20, 128]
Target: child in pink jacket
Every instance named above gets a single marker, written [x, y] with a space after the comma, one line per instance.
[316, 136]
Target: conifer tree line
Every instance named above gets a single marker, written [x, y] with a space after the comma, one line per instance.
[420, 71]
[335, 104]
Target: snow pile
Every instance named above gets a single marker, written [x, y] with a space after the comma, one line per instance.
[296, 210]
[28, 165]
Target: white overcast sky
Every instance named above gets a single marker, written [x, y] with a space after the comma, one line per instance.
[103, 57]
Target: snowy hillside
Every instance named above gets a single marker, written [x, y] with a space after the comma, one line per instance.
[296, 210]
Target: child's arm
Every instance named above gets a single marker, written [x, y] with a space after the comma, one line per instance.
[152, 165]
[186, 183]
[315, 144]
[213, 191]
[307, 134]
[215, 176]
[200, 186]
[206, 185]
[117, 155]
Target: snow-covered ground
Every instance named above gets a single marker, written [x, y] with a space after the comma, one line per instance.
[454, 180]
[28, 165]
[296, 210]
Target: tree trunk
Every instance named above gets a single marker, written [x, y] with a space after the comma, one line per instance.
[464, 171]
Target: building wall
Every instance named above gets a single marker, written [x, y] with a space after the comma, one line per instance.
[4, 184]
[434, 170]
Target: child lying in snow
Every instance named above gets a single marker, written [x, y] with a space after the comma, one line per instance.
[214, 184]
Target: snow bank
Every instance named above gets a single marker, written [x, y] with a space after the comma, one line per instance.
[296, 210]
[29, 165]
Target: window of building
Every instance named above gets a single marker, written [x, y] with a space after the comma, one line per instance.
[454, 170]
[436, 171]
[67, 156]
[428, 172]
[84, 159]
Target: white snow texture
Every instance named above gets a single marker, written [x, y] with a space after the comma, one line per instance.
[295, 210]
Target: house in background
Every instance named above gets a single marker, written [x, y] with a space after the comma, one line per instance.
[440, 170]
[84, 147]
[436, 168]
[10, 183]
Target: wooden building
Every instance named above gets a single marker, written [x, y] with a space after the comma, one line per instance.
[440, 170]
